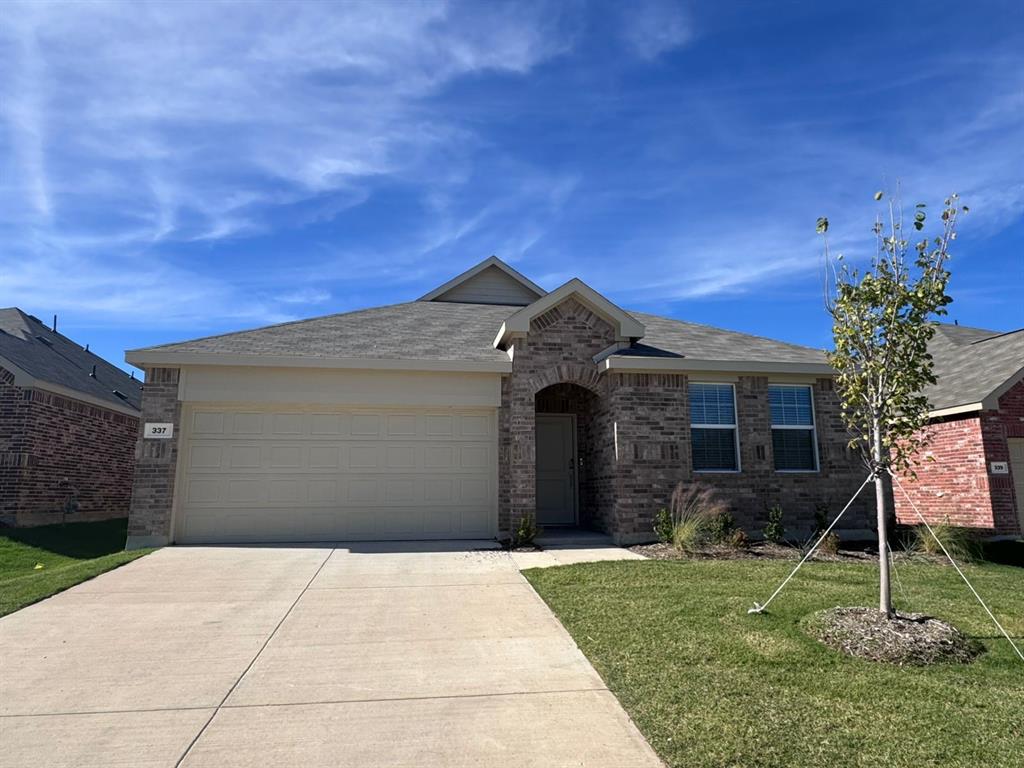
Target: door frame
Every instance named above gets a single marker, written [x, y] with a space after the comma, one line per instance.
[575, 470]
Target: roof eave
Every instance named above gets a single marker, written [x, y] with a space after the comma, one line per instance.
[685, 364]
[26, 380]
[142, 358]
[955, 410]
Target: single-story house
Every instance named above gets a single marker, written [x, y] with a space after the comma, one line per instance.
[68, 423]
[486, 400]
[971, 472]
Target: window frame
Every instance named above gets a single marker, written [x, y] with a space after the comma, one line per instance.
[813, 429]
[735, 427]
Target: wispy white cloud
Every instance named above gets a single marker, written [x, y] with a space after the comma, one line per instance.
[165, 124]
[653, 27]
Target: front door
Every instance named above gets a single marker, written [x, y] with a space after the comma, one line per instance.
[1016, 446]
[556, 469]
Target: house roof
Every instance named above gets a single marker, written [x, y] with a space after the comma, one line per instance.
[429, 335]
[417, 331]
[666, 337]
[44, 357]
[973, 367]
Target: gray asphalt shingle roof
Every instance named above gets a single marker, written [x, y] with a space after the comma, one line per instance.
[417, 330]
[52, 357]
[424, 330]
[667, 337]
[971, 363]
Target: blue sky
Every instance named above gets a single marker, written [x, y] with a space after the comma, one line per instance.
[175, 170]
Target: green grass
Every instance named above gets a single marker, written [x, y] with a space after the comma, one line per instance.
[710, 685]
[68, 554]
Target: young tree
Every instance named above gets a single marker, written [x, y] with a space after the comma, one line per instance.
[882, 320]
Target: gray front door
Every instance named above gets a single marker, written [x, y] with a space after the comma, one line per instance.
[556, 469]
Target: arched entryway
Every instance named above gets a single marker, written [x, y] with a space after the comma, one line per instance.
[568, 429]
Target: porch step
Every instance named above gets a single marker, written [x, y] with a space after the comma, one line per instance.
[571, 537]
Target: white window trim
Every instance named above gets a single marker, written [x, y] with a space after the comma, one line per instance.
[735, 427]
[813, 428]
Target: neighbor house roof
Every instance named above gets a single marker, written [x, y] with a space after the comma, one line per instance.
[973, 367]
[49, 360]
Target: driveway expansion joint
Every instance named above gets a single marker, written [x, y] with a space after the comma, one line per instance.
[253, 660]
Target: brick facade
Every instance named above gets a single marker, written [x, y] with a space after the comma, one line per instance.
[55, 448]
[634, 438]
[954, 479]
[149, 523]
[550, 354]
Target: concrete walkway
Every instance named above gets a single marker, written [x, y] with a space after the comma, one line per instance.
[420, 655]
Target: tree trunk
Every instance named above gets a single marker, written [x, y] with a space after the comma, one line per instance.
[884, 595]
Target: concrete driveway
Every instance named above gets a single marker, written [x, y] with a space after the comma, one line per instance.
[426, 654]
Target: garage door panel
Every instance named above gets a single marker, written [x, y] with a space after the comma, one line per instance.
[207, 423]
[297, 475]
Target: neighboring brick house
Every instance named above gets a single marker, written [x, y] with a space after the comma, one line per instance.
[68, 422]
[971, 472]
[486, 400]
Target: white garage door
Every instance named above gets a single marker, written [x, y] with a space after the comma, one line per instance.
[268, 475]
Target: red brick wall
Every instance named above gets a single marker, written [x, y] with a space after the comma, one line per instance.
[62, 444]
[13, 445]
[958, 484]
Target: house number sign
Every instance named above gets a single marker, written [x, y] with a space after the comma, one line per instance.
[158, 431]
[1000, 468]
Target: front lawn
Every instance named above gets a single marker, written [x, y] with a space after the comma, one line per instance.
[69, 554]
[710, 685]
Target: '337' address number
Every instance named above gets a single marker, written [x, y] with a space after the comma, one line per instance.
[157, 431]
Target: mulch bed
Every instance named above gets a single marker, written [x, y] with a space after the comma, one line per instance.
[768, 551]
[910, 639]
[756, 551]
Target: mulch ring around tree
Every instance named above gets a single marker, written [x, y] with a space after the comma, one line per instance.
[908, 639]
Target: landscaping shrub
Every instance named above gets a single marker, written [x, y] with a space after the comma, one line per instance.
[830, 544]
[960, 542]
[692, 508]
[822, 512]
[720, 527]
[663, 525]
[737, 539]
[774, 531]
[525, 532]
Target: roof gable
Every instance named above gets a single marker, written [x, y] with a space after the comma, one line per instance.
[626, 326]
[492, 281]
